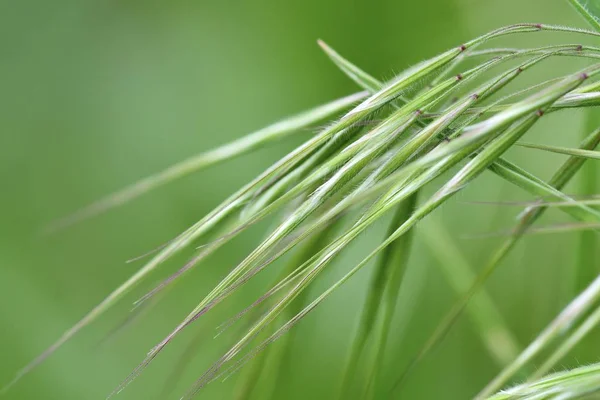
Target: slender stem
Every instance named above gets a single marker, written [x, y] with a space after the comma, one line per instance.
[486, 317]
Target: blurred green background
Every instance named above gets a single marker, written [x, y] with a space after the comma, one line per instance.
[98, 94]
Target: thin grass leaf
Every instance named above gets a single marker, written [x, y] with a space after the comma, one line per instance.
[534, 185]
[543, 230]
[487, 319]
[589, 10]
[593, 200]
[595, 155]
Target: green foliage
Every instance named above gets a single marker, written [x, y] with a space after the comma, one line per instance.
[437, 125]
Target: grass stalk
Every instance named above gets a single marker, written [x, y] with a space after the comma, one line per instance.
[487, 319]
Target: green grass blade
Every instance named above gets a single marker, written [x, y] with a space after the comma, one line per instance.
[595, 155]
[534, 185]
[487, 319]
[589, 10]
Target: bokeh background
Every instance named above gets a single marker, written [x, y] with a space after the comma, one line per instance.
[98, 94]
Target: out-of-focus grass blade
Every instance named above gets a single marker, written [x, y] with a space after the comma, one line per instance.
[593, 200]
[486, 317]
[589, 10]
[542, 230]
[276, 131]
[563, 150]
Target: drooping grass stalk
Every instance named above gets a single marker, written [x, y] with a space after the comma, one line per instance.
[469, 172]
[231, 353]
[534, 185]
[399, 176]
[378, 285]
[487, 319]
[503, 356]
[561, 177]
[526, 180]
[437, 155]
[305, 210]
